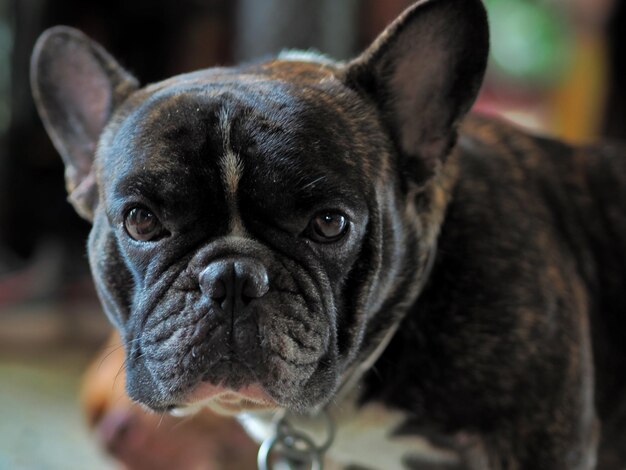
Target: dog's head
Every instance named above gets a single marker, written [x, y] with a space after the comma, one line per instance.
[256, 229]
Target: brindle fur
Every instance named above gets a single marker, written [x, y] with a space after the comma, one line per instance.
[513, 355]
[514, 339]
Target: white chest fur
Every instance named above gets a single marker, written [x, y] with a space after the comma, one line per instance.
[365, 437]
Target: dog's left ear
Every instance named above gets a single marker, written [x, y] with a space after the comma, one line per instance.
[77, 85]
[424, 73]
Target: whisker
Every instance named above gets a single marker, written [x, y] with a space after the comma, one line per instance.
[107, 355]
[122, 367]
[313, 183]
[160, 420]
[112, 346]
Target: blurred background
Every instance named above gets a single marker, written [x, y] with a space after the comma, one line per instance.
[556, 67]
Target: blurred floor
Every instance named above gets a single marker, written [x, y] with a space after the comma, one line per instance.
[44, 349]
[41, 426]
[40, 422]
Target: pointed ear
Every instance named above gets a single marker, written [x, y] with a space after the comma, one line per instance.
[424, 72]
[77, 85]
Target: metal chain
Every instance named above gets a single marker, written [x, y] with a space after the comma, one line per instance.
[293, 449]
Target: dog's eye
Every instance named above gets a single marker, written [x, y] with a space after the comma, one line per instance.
[142, 225]
[328, 227]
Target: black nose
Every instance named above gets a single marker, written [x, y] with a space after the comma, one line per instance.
[234, 282]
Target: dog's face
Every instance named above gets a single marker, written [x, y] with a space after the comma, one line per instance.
[256, 229]
[238, 224]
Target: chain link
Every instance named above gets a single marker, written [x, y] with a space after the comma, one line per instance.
[292, 449]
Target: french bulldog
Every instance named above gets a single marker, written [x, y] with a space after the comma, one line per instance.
[320, 237]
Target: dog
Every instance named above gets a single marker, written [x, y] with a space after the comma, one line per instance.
[343, 246]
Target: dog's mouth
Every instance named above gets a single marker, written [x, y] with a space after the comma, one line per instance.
[275, 351]
[224, 400]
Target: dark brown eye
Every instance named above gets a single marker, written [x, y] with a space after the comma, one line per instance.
[142, 225]
[328, 227]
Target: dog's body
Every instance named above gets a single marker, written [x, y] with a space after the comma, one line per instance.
[559, 213]
[258, 231]
[454, 369]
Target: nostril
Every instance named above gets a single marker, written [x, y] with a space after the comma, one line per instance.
[217, 290]
[253, 278]
[215, 280]
[255, 286]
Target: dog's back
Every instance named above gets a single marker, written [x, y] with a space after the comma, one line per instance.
[578, 196]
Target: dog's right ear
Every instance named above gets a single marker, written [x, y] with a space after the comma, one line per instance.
[77, 85]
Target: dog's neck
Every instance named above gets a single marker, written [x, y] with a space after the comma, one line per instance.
[353, 375]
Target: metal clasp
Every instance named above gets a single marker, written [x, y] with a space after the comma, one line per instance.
[291, 449]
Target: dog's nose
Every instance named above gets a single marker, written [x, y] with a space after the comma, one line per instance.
[234, 282]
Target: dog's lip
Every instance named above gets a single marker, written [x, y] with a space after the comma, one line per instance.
[224, 400]
[206, 390]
